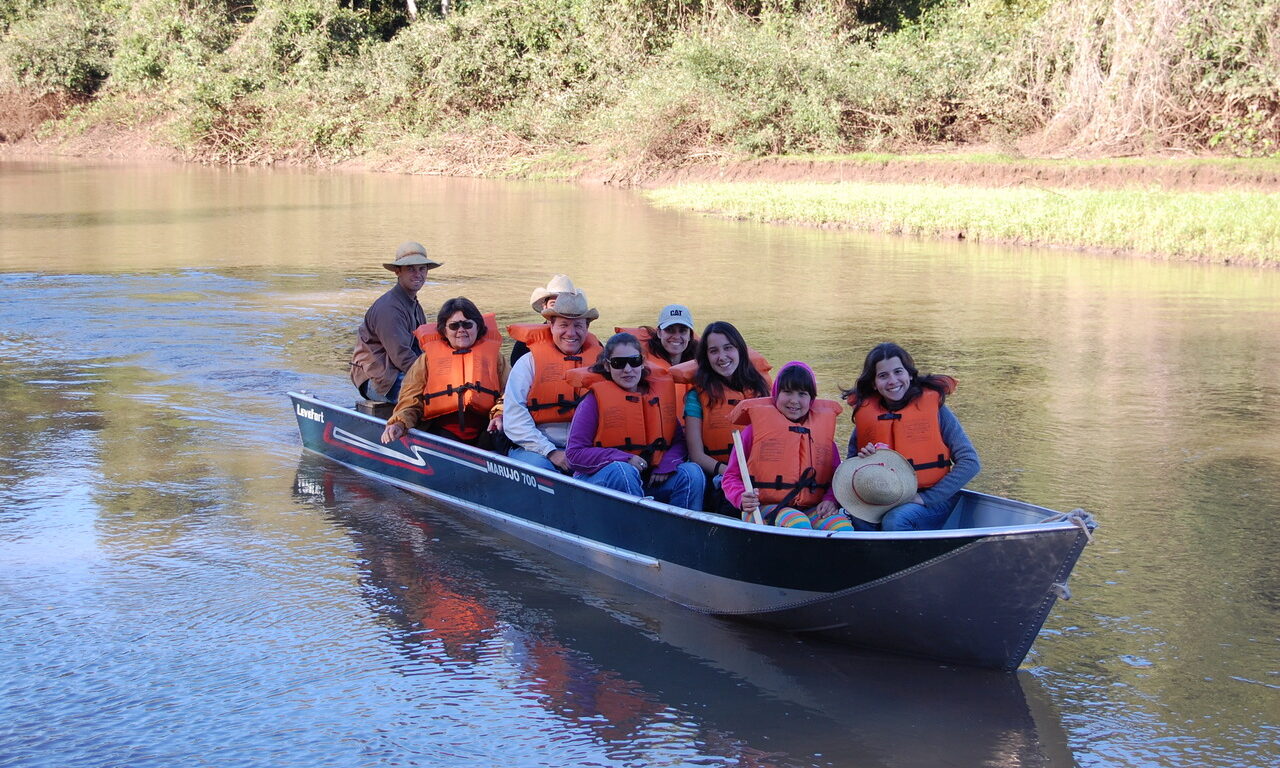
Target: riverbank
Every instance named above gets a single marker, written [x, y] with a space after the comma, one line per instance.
[1211, 210]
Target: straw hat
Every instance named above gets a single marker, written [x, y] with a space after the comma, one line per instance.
[410, 253]
[571, 305]
[870, 486]
[557, 284]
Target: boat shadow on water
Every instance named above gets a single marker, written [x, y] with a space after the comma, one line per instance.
[615, 660]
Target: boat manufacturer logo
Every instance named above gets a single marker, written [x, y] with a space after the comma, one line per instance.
[309, 413]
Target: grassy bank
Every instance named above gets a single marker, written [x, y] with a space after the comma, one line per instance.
[1219, 227]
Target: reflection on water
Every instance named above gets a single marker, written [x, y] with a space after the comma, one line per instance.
[620, 667]
[170, 596]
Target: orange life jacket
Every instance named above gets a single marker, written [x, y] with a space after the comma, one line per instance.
[640, 423]
[551, 399]
[913, 432]
[459, 380]
[660, 362]
[717, 429]
[789, 459]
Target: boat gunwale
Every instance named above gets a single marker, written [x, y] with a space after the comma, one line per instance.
[713, 518]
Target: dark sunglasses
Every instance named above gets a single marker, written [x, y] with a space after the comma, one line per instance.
[618, 363]
[460, 324]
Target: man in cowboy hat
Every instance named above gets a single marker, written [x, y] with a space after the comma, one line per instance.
[541, 298]
[539, 402]
[385, 346]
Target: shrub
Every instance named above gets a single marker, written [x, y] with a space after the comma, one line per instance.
[60, 48]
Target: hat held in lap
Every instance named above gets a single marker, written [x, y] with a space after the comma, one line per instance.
[869, 487]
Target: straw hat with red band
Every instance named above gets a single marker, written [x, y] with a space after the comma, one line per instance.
[870, 486]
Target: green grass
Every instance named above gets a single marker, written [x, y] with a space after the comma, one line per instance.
[1221, 227]
[1255, 164]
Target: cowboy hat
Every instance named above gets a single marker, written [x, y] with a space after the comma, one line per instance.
[410, 253]
[557, 284]
[870, 486]
[570, 305]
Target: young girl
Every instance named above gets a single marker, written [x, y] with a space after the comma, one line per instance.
[895, 407]
[791, 454]
[625, 434]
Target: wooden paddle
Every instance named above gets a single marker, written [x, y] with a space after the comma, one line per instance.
[746, 476]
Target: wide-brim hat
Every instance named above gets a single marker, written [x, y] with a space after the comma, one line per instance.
[570, 305]
[557, 284]
[870, 486]
[409, 254]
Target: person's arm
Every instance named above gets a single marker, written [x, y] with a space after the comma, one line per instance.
[675, 456]
[408, 409]
[731, 482]
[830, 495]
[693, 436]
[965, 458]
[495, 413]
[517, 422]
[393, 324]
[580, 449]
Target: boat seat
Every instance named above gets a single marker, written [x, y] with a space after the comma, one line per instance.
[375, 408]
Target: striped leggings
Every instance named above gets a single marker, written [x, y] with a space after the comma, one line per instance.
[790, 517]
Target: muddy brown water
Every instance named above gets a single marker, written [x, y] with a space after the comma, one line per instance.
[182, 586]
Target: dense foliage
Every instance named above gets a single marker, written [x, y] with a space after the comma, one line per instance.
[658, 82]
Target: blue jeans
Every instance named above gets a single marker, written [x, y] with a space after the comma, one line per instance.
[913, 517]
[393, 395]
[531, 458]
[683, 489]
[906, 517]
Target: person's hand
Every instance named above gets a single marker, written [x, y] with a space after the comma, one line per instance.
[640, 464]
[558, 458]
[871, 448]
[750, 504]
[826, 508]
[394, 431]
[495, 424]
[656, 479]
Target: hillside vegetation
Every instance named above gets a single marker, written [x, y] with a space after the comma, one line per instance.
[650, 84]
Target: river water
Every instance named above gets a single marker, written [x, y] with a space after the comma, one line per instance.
[181, 585]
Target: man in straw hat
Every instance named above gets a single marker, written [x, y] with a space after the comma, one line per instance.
[869, 486]
[539, 402]
[385, 346]
[539, 301]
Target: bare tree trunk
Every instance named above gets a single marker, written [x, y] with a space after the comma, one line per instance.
[411, 8]
[444, 7]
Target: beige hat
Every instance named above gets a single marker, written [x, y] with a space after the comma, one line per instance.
[410, 253]
[870, 486]
[557, 284]
[571, 305]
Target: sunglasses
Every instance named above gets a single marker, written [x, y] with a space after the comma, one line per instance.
[618, 363]
[461, 325]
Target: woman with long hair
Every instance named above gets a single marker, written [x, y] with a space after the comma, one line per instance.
[895, 407]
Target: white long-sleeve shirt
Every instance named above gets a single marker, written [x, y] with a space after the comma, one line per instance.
[518, 423]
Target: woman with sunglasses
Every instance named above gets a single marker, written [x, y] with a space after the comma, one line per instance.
[625, 434]
[454, 388]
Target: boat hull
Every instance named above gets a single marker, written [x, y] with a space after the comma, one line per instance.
[963, 595]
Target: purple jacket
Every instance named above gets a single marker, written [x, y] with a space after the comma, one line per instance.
[586, 459]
